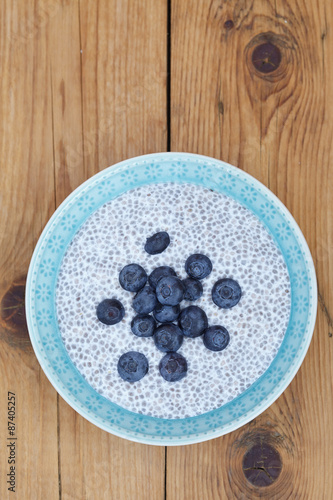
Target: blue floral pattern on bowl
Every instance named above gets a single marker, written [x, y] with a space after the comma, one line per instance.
[51, 247]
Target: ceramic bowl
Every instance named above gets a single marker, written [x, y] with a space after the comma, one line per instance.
[58, 233]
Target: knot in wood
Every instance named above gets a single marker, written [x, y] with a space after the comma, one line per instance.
[266, 57]
[12, 315]
[271, 56]
[262, 464]
[229, 24]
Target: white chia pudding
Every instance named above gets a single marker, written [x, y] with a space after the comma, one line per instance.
[198, 220]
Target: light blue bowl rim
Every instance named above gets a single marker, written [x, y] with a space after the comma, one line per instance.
[203, 170]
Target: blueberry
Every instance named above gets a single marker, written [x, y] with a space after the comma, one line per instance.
[158, 273]
[193, 321]
[157, 243]
[193, 289]
[226, 293]
[170, 291]
[198, 266]
[216, 338]
[166, 314]
[145, 300]
[110, 311]
[168, 337]
[132, 277]
[132, 366]
[143, 326]
[173, 367]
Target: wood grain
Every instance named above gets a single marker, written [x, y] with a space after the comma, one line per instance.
[123, 80]
[100, 103]
[83, 86]
[277, 127]
[27, 201]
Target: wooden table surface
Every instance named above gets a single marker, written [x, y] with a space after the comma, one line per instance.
[85, 84]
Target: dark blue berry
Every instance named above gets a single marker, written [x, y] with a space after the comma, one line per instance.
[145, 300]
[226, 293]
[166, 314]
[168, 337]
[198, 266]
[193, 289]
[143, 326]
[158, 273]
[193, 321]
[157, 243]
[132, 277]
[110, 311]
[132, 366]
[173, 367]
[216, 338]
[170, 291]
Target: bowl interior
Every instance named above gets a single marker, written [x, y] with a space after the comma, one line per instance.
[52, 245]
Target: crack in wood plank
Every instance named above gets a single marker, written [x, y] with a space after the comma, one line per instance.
[53, 146]
[81, 84]
[59, 449]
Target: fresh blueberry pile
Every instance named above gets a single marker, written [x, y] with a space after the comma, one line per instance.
[161, 293]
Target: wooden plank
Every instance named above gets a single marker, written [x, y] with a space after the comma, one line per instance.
[69, 172]
[124, 80]
[27, 201]
[275, 126]
[120, 79]
[66, 79]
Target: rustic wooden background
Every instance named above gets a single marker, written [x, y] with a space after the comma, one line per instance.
[85, 84]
